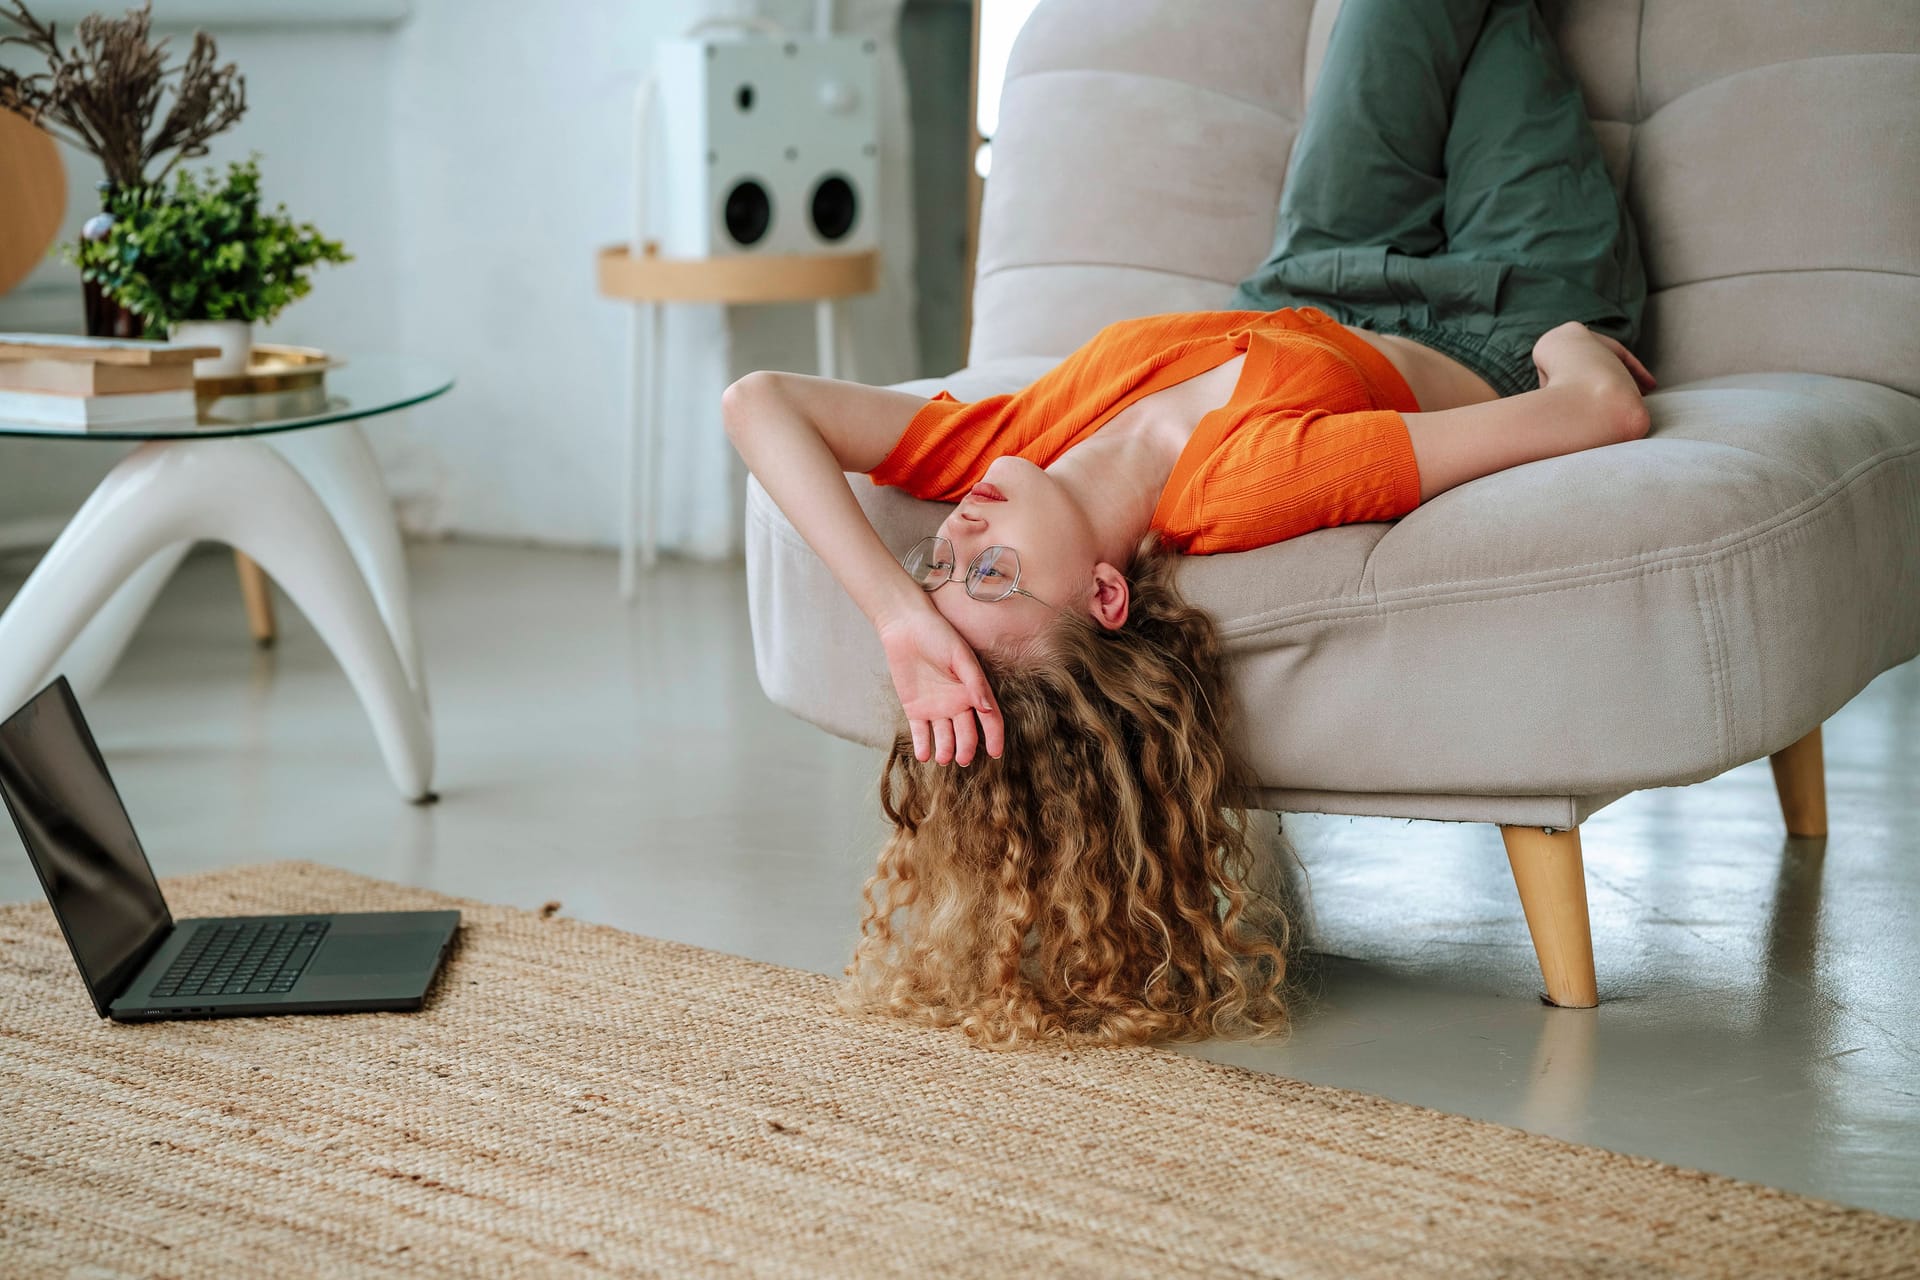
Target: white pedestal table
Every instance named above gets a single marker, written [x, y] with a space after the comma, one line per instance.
[286, 478]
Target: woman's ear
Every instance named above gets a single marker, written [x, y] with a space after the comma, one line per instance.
[1110, 597]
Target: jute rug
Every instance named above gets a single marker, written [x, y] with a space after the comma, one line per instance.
[579, 1100]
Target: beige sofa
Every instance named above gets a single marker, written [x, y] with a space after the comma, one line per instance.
[1526, 648]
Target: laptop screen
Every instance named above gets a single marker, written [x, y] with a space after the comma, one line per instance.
[80, 839]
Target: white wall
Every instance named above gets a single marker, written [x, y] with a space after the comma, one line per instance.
[473, 157]
[321, 169]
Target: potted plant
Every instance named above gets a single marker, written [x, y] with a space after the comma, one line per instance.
[204, 260]
[103, 94]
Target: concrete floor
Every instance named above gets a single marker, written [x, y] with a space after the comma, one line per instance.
[1757, 991]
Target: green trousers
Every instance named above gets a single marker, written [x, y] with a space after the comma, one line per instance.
[1447, 186]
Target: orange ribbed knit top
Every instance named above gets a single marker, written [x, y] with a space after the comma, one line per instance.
[1312, 435]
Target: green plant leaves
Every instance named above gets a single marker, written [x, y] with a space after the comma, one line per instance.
[205, 250]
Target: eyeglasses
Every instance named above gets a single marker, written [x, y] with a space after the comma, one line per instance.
[992, 575]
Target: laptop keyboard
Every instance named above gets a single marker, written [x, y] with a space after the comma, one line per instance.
[242, 958]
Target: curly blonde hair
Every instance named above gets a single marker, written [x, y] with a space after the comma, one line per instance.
[1097, 883]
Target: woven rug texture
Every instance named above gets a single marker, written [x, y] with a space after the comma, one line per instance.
[578, 1100]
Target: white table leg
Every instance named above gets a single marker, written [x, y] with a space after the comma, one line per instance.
[338, 464]
[242, 493]
[825, 337]
[640, 475]
[91, 658]
[843, 347]
[650, 434]
[630, 470]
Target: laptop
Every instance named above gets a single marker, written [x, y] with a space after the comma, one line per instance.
[142, 965]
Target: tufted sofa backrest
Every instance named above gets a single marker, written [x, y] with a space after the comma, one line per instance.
[1769, 151]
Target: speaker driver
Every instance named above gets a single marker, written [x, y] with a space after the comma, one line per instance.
[835, 207]
[749, 211]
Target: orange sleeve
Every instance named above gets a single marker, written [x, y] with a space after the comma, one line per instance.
[1283, 472]
[949, 442]
[939, 455]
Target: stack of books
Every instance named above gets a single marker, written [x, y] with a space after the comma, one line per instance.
[56, 381]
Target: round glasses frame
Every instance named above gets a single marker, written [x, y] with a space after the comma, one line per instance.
[931, 562]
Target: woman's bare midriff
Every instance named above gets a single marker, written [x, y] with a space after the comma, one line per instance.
[1437, 381]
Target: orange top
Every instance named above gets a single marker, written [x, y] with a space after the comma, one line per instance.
[1311, 436]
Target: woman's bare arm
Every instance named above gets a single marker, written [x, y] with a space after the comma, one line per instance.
[798, 435]
[861, 424]
[1589, 396]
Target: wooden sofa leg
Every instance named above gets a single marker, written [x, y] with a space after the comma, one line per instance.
[1800, 776]
[1553, 892]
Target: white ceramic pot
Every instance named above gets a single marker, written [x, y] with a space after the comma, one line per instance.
[233, 337]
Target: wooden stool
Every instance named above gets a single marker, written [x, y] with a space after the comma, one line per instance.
[652, 281]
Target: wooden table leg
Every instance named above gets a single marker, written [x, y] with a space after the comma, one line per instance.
[253, 590]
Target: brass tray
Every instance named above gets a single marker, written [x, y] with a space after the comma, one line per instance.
[271, 368]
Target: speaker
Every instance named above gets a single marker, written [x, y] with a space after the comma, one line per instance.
[770, 144]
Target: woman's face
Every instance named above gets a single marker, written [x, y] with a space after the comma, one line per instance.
[1017, 504]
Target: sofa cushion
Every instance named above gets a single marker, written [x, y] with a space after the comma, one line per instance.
[1768, 150]
[1644, 614]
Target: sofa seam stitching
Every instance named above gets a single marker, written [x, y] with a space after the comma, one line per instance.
[1737, 72]
[1639, 80]
[1651, 291]
[1264, 789]
[1730, 748]
[1639, 109]
[1783, 271]
[1809, 507]
[1716, 664]
[1815, 507]
[1121, 266]
[1237, 632]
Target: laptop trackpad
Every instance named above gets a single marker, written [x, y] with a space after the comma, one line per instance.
[375, 953]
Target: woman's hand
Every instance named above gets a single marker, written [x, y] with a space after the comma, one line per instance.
[1572, 350]
[941, 688]
[1641, 377]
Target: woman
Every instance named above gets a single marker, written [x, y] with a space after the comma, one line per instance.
[1447, 232]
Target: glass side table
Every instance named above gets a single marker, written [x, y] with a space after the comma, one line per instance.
[286, 479]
